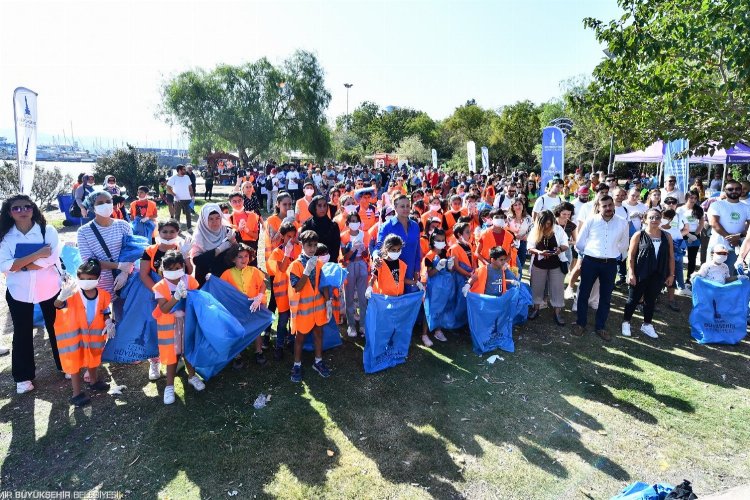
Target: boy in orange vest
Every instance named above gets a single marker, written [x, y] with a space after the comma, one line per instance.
[247, 224]
[170, 324]
[493, 279]
[250, 281]
[277, 264]
[310, 307]
[82, 325]
[390, 279]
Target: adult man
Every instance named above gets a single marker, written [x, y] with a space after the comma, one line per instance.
[603, 240]
[582, 197]
[181, 188]
[503, 201]
[715, 182]
[588, 208]
[671, 190]
[292, 183]
[549, 200]
[729, 221]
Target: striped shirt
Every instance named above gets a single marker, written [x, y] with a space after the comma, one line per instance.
[89, 246]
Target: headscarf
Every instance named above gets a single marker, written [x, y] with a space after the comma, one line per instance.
[88, 202]
[204, 237]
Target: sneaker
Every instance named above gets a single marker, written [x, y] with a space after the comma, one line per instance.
[426, 341]
[574, 307]
[238, 363]
[684, 292]
[689, 286]
[648, 329]
[351, 332]
[154, 370]
[626, 329]
[673, 306]
[278, 353]
[569, 293]
[80, 400]
[604, 335]
[439, 335]
[197, 383]
[24, 387]
[99, 386]
[4, 351]
[576, 330]
[296, 373]
[68, 376]
[260, 359]
[266, 342]
[169, 395]
[322, 369]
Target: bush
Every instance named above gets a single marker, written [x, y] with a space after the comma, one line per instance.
[131, 168]
[45, 188]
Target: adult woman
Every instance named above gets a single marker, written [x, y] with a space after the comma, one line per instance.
[79, 196]
[333, 202]
[408, 230]
[654, 199]
[519, 223]
[563, 214]
[283, 212]
[650, 268]
[321, 223]
[698, 188]
[692, 213]
[531, 194]
[29, 252]
[249, 198]
[347, 205]
[547, 242]
[212, 239]
[110, 185]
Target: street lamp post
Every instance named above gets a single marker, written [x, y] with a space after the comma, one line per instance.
[348, 86]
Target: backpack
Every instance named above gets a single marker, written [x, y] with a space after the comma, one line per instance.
[269, 183]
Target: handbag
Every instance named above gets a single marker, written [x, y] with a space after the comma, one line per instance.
[564, 267]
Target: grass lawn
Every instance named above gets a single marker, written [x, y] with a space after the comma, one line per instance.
[559, 418]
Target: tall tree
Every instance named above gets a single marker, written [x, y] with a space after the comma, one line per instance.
[515, 133]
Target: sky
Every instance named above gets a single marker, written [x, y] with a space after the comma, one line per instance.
[98, 66]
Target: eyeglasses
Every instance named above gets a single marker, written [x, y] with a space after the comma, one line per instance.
[670, 203]
[22, 208]
[670, 182]
[733, 190]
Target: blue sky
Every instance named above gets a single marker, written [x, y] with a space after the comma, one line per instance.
[100, 65]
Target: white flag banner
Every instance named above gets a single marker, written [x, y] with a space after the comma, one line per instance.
[24, 113]
[471, 152]
[485, 160]
[434, 158]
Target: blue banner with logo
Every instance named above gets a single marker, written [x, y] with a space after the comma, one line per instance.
[719, 314]
[677, 166]
[388, 327]
[553, 155]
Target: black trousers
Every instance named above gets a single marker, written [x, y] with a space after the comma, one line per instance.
[648, 289]
[692, 253]
[22, 314]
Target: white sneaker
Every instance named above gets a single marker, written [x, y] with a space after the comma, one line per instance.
[569, 293]
[439, 335]
[684, 292]
[648, 329]
[626, 329]
[4, 351]
[574, 307]
[24, 387]
[351, 331]
[197, 383]
[154, 370]
[68, 376]
[169, 395]
[426, 341]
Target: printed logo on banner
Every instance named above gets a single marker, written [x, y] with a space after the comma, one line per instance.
[553, 154]
[26, 110]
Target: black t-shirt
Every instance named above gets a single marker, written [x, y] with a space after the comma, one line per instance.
[157, 258]
[548, 262]
[393, 266]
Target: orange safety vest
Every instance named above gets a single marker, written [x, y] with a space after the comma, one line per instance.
[385, 284]
[481, 281]
[302, 211]
[424, 244]
[373, 231]
[488, 243]
[307, 306]
[451, 220]
[368, 221]
[147, 209]
[431, 255]
[80, 345]
[346, 237]
[273, 222]
[429, 214]
[462, 257]
[165, 322]
[253, 281]
[252, 224]
[280, 281]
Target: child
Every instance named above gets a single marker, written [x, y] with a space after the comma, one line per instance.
[716, 270]
[143, 208]
[277, 265]
[302, 208]
[247, 224]
[249, 280]
[309, 306]
[168, 293]
[355, 258]
[118, 208]
[435, 261]
[493, 279]
[82, 324]
[391, 278]
[461, 250]
[165, 197]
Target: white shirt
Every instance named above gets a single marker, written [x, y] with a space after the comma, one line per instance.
[687, 215]
[630, 210]
[675, 227]
[546, 202]
[291, 180]
[317, 179]
[561, 238]
[587, 209]
[180, 186]
[577, 207]
[505, 205]
[677, 194]
[32, 286]
[732, 217]
[603, 239]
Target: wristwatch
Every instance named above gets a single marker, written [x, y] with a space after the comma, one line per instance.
[24, 268]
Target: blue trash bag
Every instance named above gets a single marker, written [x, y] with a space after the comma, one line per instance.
[440, 294]
[133, 247]
[331, 337]
[38, 317]
[491, 321]
[238, 306]
[135, 338]
[642, 491]
[71, 257]
[145, 229]
[455, 315]
[213, 336]
[521, 303]
[719, 314]
[388, 328]
[332, 275]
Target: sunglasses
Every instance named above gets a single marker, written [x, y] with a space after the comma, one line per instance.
[22, 208]
[733, 190]
[670, 203]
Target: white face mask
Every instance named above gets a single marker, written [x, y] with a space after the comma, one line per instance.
[307, 255]
[324, 258]
[498, 222]
[439, 245]
[435, 208]
[104, 210]
[309, 192]
[88, 284]
[350, 209]
[162, 241]
[719, 259]
[393, 255]
[354, 226]
[173, 275]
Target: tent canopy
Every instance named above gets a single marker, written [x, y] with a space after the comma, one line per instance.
[652, 154]
[739, 153]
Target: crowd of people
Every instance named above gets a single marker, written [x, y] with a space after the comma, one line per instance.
[393, 229]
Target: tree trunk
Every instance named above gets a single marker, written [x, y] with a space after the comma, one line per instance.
[243, 158]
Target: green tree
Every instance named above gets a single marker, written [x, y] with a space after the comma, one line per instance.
[412, 149]
[253, 107]
[47, 184]
[515, 133]
[677, 69]
[131, 168]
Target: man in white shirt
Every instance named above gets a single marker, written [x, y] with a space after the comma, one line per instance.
[550, 200]
[633, 209]
[671, 190]
[582, 197]
[505, 199]
[292, 183]
[729, 222]
[181, 187]
[602, 241]
[587, 210]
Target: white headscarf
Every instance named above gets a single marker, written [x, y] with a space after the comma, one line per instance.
[204, 237]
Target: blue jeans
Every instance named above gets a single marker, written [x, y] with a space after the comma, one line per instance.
[679, 278]
[522, 253]
[591, 270]
[282, 329]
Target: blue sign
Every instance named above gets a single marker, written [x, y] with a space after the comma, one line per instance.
[553, 155]
[677, 166]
